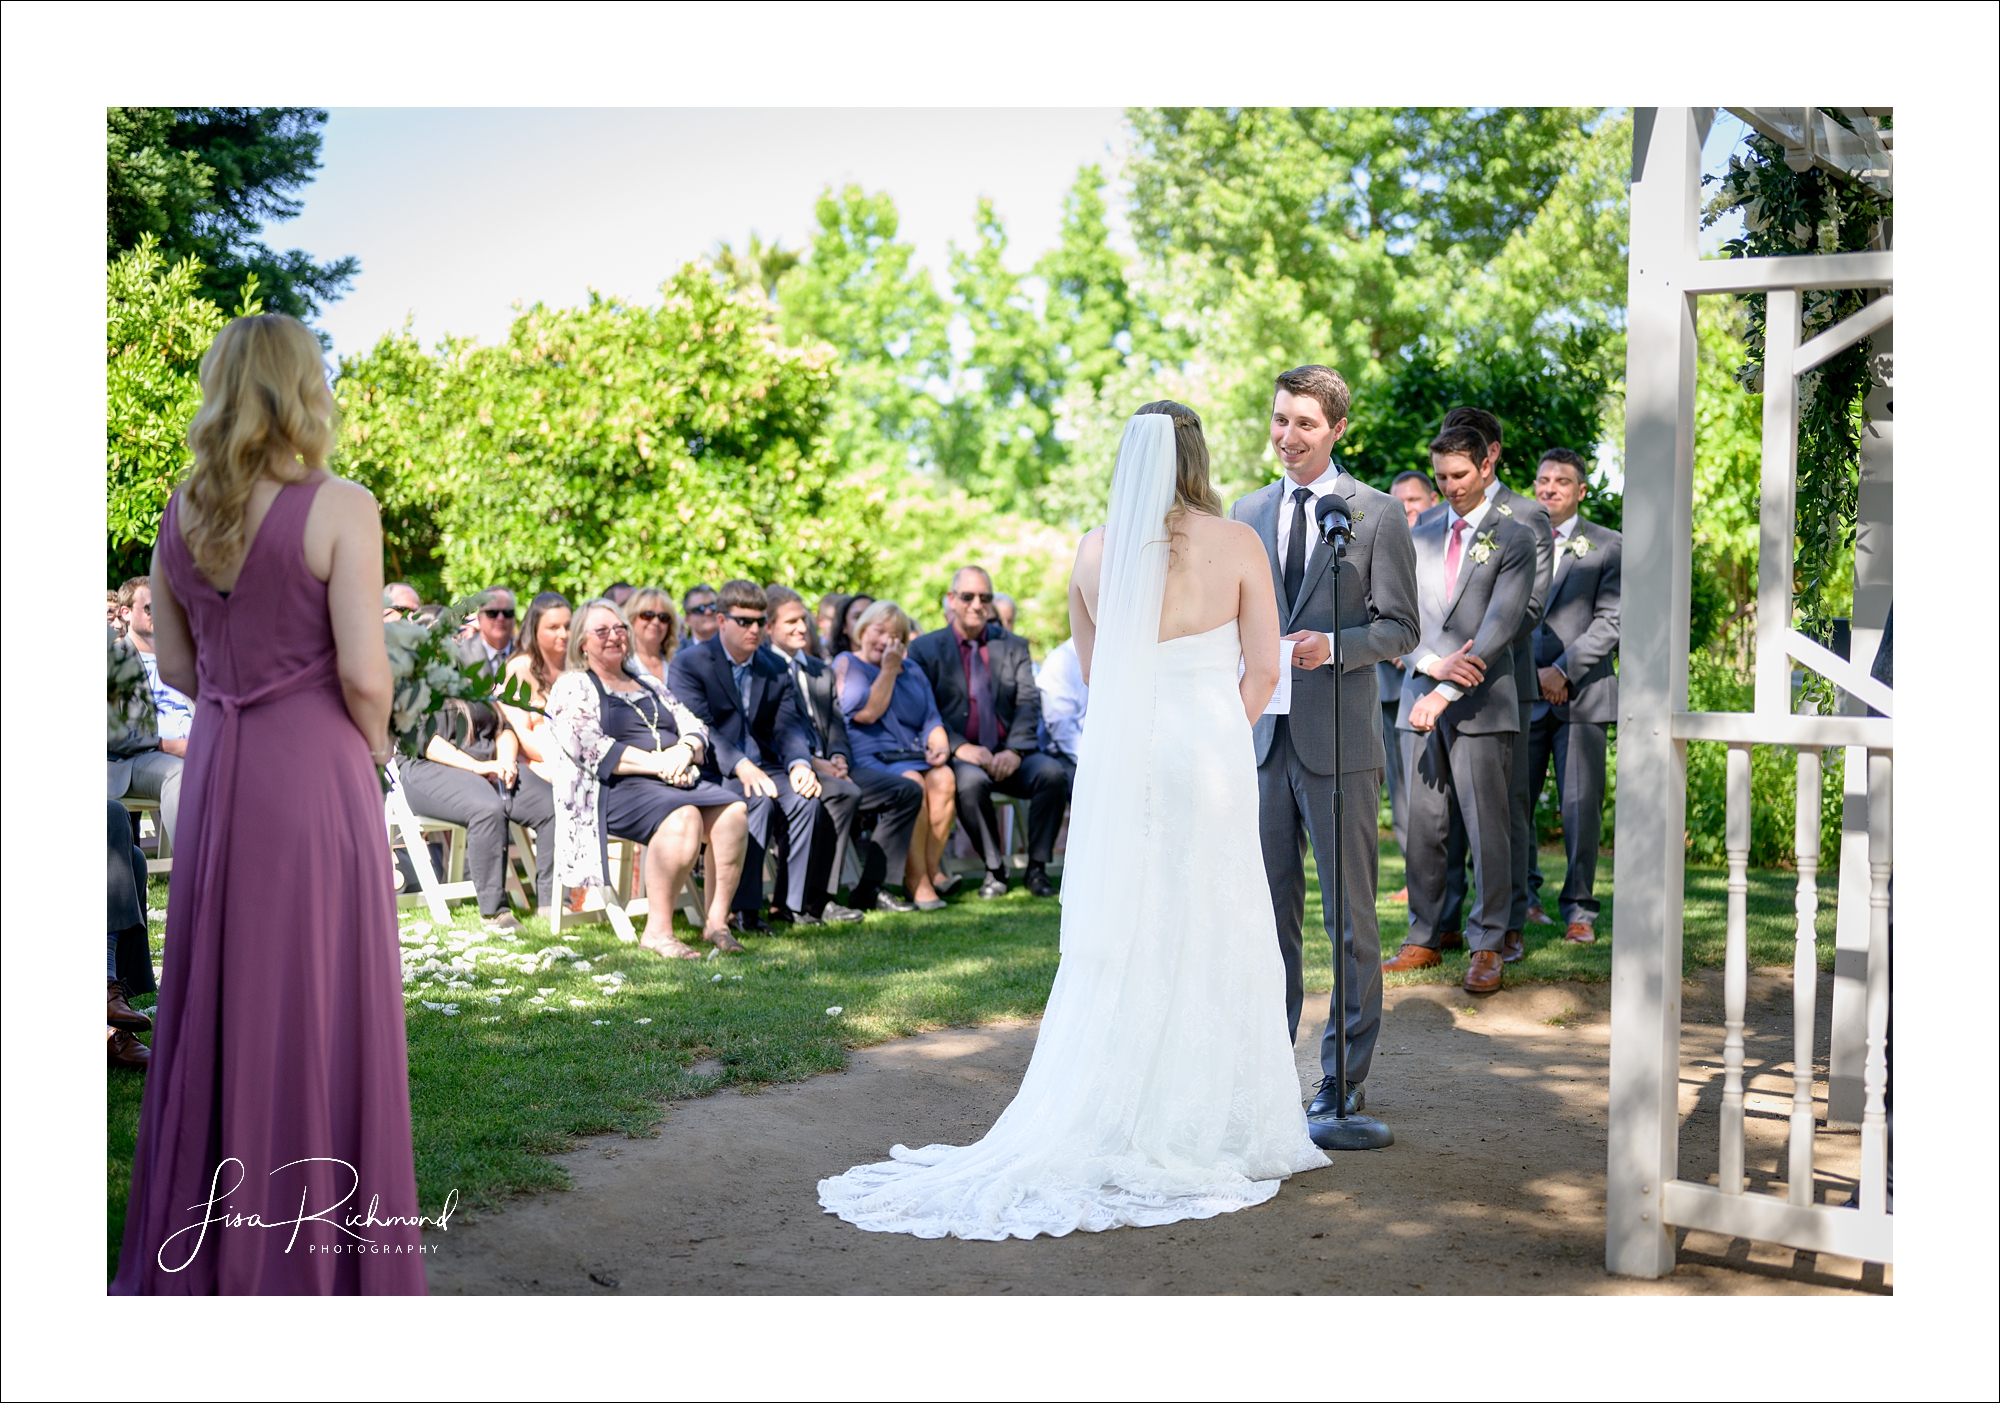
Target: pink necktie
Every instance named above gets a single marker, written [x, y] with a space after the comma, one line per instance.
[1452, 553]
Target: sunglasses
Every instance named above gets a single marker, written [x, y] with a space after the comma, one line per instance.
[694, 609]
[967, 597]
[649, 616]
[610, 631]
[746, 620]
[496, 613]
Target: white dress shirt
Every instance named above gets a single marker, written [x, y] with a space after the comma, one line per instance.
[1321, 486]
[1065, 700]
[1472, 519]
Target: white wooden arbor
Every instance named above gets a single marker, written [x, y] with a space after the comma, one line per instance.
[1647, 1197]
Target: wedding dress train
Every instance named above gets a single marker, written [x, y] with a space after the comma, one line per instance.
[1162, 1086]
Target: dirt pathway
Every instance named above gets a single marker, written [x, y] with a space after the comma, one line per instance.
[1495, 1185]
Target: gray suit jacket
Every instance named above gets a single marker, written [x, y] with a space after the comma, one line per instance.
[1580, 633]
[1533, 515]
[1376, 615]
[1492, 600]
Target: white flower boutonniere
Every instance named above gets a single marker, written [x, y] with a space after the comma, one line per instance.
[1504, 509]
[1578, 546]
[1482, 547]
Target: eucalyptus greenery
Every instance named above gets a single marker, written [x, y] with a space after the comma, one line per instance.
[1788, 212]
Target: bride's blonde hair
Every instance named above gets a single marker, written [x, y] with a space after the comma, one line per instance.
[1192, 490]
[259, 381]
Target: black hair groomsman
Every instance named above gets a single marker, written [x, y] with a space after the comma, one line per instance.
[1576, 698]
[1459, 722]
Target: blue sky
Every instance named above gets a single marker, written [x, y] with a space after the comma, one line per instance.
[457, 212]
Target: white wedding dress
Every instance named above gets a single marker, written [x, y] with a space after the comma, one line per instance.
[1162, 1086]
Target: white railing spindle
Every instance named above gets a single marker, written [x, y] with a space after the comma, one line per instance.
[1805, 976]
[1735, 967]
[1875, 1077]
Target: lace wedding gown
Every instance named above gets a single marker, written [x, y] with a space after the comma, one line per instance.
[1162, 1086]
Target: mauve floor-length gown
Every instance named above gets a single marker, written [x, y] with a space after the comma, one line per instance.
[279, 1082]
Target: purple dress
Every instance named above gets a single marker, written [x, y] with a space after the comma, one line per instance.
[279, 1083]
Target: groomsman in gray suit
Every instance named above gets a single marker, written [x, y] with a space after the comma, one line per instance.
[1520, 793]
[1376, 614]
[1460, 722]
[1418, 494]
[1576, 698]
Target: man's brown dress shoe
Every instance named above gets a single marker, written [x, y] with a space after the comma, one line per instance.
[1538, 917]
[120, 1014]
[123, 1050]
[1483, 975]
[1413, 957]
[1451, 940]
[1580, 934]
[1512, 947]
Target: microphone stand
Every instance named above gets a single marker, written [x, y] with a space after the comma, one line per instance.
[1336, 1129]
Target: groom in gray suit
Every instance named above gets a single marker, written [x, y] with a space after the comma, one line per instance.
[1577, 697]
[1376, 615]
[1459, 720]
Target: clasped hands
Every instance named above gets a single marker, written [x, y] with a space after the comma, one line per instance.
[805, 782]
[998, 764]
[676, 764]
[1461, 668]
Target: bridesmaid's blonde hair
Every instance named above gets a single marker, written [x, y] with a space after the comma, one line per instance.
[258, 385]
[1192, 489]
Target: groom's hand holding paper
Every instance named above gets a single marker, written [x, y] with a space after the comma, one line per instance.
[1309, 649]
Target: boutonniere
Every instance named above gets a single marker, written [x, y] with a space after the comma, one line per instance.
[1482, 547]
[1577, 546]
[1503, 509]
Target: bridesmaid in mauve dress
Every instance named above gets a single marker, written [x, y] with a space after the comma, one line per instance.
[274, 1144]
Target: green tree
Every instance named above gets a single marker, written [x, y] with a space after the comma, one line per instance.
[759, 265]
[610, 440]
[860, 291]
[204, 181]
[158, 325]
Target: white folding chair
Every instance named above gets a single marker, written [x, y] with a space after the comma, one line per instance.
[624, 897]
[149, 814]
[433, 892]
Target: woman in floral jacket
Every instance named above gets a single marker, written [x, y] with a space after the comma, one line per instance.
[628, 765]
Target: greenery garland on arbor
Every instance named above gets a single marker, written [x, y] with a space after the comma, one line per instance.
[1789, 212]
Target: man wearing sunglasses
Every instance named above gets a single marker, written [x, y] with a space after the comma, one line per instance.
[704, 613]
[493, 641]
[761, 747]
[984, 681]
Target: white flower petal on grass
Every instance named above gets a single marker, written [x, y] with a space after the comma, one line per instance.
[420, 928]
[538, 999]
[501, 982]
[715, 979]
[545, 991]
[494, 1019]
[599, 1022]
[834, 1012]
[492, 998]
[737, 977]
[580, 964]
[642, 1020]
[578, 1003]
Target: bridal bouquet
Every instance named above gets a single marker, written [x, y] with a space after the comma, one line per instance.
[428, 672]
[130, 699]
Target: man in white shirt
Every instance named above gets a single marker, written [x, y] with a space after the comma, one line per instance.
[1065, 700]
[148, 766]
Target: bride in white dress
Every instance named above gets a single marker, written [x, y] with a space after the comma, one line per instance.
[1162, 1086]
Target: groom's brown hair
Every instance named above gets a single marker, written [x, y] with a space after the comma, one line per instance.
[1322, 383]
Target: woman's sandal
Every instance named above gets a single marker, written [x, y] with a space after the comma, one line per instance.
[668, 948]
[723, 941]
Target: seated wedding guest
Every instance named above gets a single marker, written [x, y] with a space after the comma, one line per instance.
[493, 643]
[850, 620]
[874, 799]
[1003, 611]
[111, 611]
[1065, 699]
[629, 758]
[700, 608]
[400, 600]
[655, 630]
[173, 711]
[128, 958]
[621, 595]
[138, 766]
[833, 632]
[893, 726]
[536, 665]
[744, 695]
[469, 772]
[985, 689]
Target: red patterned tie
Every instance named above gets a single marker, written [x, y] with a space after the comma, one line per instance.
[1452, 554]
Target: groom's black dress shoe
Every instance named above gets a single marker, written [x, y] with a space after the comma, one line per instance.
[1322, 1104]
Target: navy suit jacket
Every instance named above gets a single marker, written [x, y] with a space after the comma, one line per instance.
[702, 678]
[1017, 701]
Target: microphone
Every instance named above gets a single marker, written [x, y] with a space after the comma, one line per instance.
[1336, 522]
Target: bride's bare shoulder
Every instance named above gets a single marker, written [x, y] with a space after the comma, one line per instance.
[1219, 535]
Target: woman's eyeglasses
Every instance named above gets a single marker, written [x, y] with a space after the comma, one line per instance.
[648, 616]
[608, 632]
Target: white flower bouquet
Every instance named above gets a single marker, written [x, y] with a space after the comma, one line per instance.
[129, 704]
[428, 672]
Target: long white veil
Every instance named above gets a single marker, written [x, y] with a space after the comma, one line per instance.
[1108, 804]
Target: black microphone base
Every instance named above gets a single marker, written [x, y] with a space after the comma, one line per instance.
[1332, 1132]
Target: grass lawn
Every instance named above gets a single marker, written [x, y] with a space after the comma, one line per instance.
[530, 1059]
